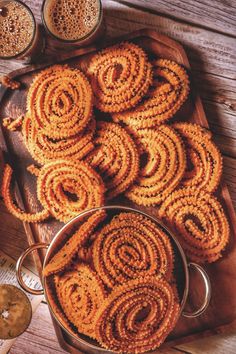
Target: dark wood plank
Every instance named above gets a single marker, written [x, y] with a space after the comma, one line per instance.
[230, 177]
[39, 337]
[220, 344]
[13, 240]
[216, 15]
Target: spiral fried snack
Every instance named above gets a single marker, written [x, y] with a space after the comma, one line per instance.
[80, 293]
[120, 77]
[137, 316]
[164, 168]
[131, 246]
[44, 149]
[205, 160]
[57, 310]
[12, 124]
[75, 243]
[167, 94]
[115, 157]
[199, 221]
[12, 207]
[62, 181]
[59, 102]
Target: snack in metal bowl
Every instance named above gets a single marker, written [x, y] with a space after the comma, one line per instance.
[125, 296]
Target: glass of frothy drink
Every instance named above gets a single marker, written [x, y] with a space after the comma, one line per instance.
[20, 37]
[76, 22]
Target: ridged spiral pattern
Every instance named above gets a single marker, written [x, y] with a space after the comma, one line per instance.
[44, 149]
[131, 246]
[120, 76]
[118, 163]
[80, 293]
[169, 91]
[137, 316]
[66, 188]
[164, 166]
[59, 101]
[199, 221]
[204, 167]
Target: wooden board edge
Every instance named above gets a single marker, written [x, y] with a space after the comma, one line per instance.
[227, 327]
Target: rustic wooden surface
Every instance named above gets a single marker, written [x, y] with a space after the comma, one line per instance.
[207, 31]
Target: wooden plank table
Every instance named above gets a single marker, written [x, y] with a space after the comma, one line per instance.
[207, 29]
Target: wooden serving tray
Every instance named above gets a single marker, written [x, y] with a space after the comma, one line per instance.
[222, 309]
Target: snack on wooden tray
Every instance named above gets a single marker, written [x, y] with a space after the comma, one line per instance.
[59, 101]
[80, 293]
[12, 124]
[165, 97]
[9, 82]
[199, 221]
[65, 188]
[118, 327]
[120, 76]
[44, 149]
[12, 207]
[164, 167]
[131, 246]
[115, 157]
[64, 256]
[203, 156]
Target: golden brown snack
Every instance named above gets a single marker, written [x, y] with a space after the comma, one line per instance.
[12, 207]
[44, 149]
[137, 316]
[115, 157]
[9, 82]
[65, 188]
[199, 221]
[165, 97]
[64, 256]
[204, 168]
[120, 76]
[56, 308]
[165, 164]
[59, 102]
[129, 247]
[80, 293]
[13, 124]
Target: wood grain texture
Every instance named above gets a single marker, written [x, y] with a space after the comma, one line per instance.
[40, 337]
[207, 30]
[220, 272]
[217, 15]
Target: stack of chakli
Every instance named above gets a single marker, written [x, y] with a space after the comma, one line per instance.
[113, 280]
[140, 150]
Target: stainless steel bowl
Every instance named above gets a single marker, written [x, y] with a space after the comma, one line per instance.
[181, 272]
